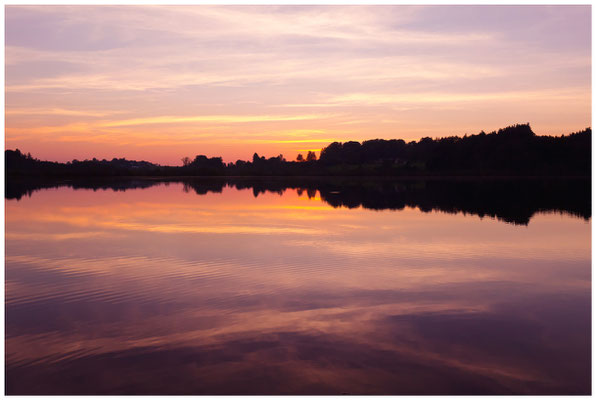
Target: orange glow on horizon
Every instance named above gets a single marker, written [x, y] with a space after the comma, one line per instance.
[277, 80]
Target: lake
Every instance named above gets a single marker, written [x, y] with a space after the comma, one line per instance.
[277, 286]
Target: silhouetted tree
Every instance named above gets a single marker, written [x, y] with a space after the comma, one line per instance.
[300, 158]
[513, 150]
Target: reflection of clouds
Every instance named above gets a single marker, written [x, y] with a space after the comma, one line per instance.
[431, 303]
[435, 326]
[427, 352]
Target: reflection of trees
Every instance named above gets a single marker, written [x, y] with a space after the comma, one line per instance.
[510, 200]
[203, 187]
[514, 201]
[17, 188]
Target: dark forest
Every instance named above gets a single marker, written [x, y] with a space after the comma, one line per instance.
[512, 151]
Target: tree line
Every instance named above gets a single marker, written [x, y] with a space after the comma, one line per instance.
[512, 151]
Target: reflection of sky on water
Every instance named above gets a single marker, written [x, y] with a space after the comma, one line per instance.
[162, 291]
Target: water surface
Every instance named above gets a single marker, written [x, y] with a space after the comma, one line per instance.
[310, 288]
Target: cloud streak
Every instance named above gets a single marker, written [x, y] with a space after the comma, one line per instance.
[384, 71]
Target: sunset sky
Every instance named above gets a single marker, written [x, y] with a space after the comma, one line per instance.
[162, 82]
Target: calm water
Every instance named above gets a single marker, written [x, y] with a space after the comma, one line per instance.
[217, 288]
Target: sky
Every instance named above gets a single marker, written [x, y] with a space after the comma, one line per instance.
[159, 83]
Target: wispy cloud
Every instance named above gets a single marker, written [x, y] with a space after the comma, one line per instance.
[188, 73]
[54, 111]
[222, 119]
[364, 99]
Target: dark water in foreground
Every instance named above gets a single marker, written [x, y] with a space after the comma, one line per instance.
[208, 287]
